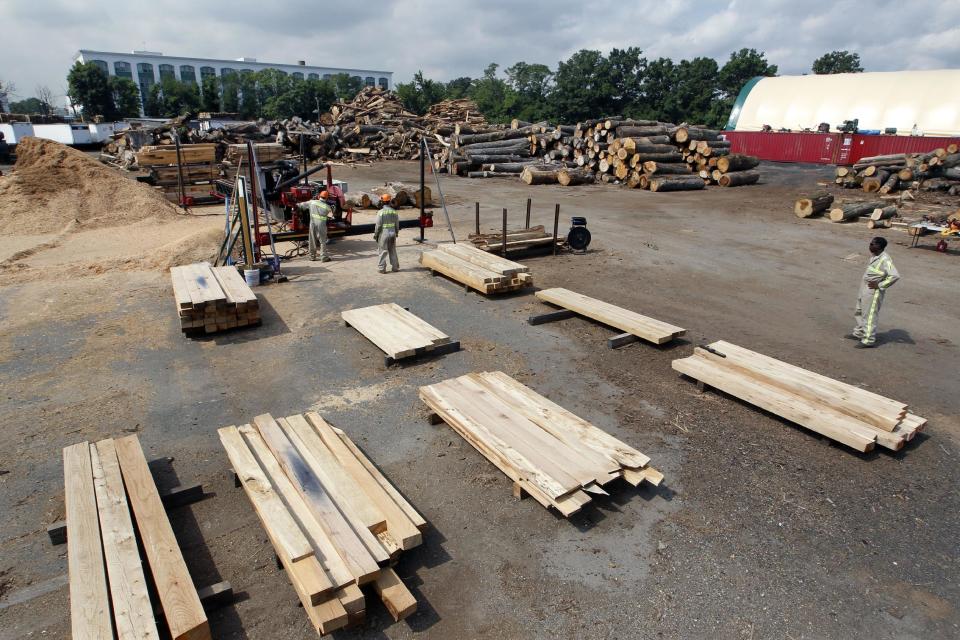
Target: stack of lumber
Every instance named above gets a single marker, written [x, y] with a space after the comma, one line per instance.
[938, 170]
[105, 484]
[166, 154]
[477, 269]
[332, 517]
[198, 169]
[630, 322]
[397, 332]
[548, 452]
[850, 415]
[517, 240]
[211, 299]
[266, 152]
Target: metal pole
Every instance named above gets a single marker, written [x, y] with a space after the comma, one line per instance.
[252, 167]
[556, 224]
[180, 190]
[504, 254]
[443, 201]
[478, 218]
[423, 169]
[527, 225]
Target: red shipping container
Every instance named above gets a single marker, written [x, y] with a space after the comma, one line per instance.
[827, 148]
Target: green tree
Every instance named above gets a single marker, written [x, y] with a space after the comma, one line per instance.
[230, 87]
[303, 99]
[177, 98]
[153, 102]
[7, 89]
[210, 95]
[656, 89]
[125, 96]
[249, 99]
[459, 88]
[837, 62]
[346, 86]
[694, 91]
[582, 87]
[89, 87]
[742, 66]
[626, 69]
[30, 105]
[494, 97]
[420, 93]
[532, 84]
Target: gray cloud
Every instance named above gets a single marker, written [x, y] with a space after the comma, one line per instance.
[449, 39]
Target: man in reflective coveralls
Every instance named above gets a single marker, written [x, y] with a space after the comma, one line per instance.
[319, 213]
[879, 276]
[385, 234]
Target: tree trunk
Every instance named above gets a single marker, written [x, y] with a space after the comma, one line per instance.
[661, 157]
[905, 174]
[539, 176]
[738, 178]
[621, 171]
[503, 134]
[884, 213]
[628, 131]
[878, 224]
[853, 210]
[507, 167]
[842, 172]
[683, 133]
[871, 184]
[497, 144]
[640, 145]
[484, 159]
[664, 168]
[736, 162]
[691, 183]
[812, 205]
[706, 147]
[890, 184]
[571, 177]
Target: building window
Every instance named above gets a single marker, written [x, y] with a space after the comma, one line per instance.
[369, 81]
[384, 84]
[227, 71]
[296, 75]
[282, 72]
[313, 76]
[122, 70]
[207, 72]
[327, 76]
[166, 71]
[358, 79]
[246, 72]
[100, 64]
[145, 74]
[188, 73]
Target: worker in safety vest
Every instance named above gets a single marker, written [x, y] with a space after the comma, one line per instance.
[385, 233]
[879, 276]
[319, 213]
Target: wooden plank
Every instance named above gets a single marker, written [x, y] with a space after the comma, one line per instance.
[132, 611]
[639, 325]
[273, 514]
[416, 323]
[394, 339]
[230, 280]
[341, 485]
[412, 514]
[818, 418]
[400, 527]
[89, 599]
[351, 548]
[461, 271]
[337, 571]
[395, 595]
[178, 597]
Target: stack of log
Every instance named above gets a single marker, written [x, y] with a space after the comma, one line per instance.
[878, 214]
[938, 170]
[401, 195]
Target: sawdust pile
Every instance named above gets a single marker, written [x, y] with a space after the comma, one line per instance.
[53, 185]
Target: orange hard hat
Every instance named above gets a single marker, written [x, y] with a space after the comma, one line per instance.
[385, 197]
[324, 194]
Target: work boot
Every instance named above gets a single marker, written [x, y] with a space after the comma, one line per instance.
[864, 345]
[853, 336]
[313, 258]
[395, 270]
[325, 259]
[381, 271]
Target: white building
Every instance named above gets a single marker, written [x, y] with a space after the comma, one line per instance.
[148, 67]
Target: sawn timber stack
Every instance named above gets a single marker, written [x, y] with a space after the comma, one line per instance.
[397, 332]
[334, 520]
[850, 415]
[111, 501]
[477, 269]
[211, 299]
[548, 452]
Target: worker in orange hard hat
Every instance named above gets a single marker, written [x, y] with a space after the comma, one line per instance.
[385, 233]
[319, 213]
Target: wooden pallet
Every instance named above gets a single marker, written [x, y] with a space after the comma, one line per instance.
[634, 325]
[211, 299]
[850, 415]
[334, 520]
[477, 269]
[397, 332]
[104, 483]
[548, 452]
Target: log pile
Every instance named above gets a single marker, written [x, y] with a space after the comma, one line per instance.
[938, 170]
[334, 520]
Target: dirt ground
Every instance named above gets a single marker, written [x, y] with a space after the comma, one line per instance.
[761, 529]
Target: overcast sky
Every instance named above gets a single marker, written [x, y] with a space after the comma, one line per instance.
[448, 39]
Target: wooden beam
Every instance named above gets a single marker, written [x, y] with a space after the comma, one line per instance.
[553, 316]
[395, 595]
[178, 597]
[89, 599]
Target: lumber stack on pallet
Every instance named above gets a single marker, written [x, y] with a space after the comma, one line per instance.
[548, 452]
[105, 484]
[397, 332]
[164, 155]
[333, 518]
[477, 269]
[517, 240]
[265, 152]
[850, 415]
[211, 299]
[629, 322]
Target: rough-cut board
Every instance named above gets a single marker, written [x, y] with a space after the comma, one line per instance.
[352, 519]
[850, 415]
[477, 269]
[211, 299]
[397, 332]
[630, 322]
[550, 453]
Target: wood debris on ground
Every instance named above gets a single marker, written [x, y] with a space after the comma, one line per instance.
[848, 414]
[211, 299]
[111, 503]
[558, 458]
[479, 270]
[335, 521]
